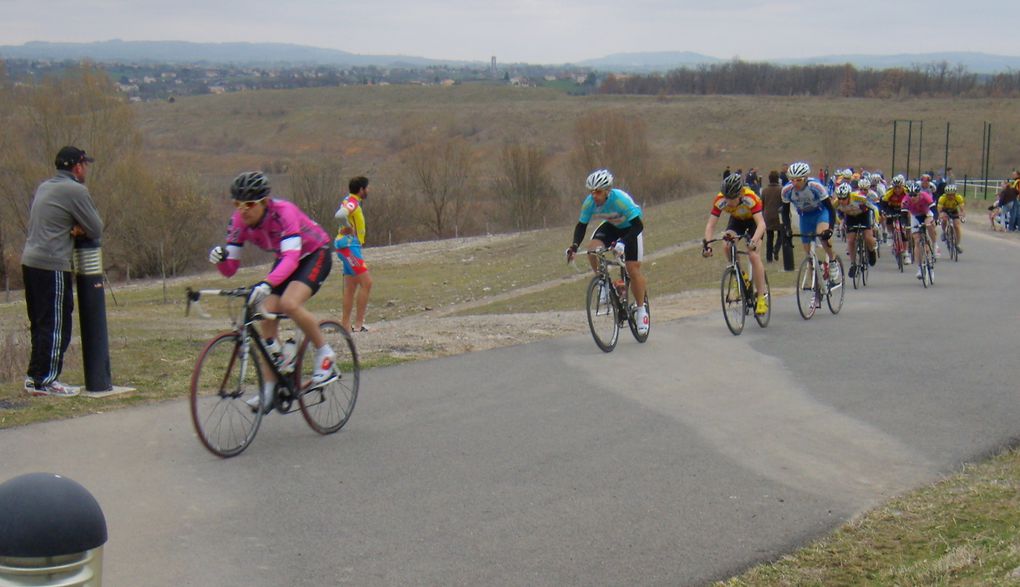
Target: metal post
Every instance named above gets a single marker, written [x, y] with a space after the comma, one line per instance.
[88, 268]
[892, 168]
[984, 135]
[910, 143]
[988, 158]
[945, 163]
[920, 148]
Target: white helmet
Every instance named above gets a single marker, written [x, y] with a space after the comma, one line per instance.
[600, 179]
[798, 169]
[843, 190]
[863, 184]
[899, 180]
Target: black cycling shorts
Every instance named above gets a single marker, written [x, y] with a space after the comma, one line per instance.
[311, 271]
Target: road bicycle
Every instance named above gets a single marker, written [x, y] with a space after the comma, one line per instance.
[814, 281]
[228, 377]
[737, 288]
[859, 266]
[926, 262]
[951, 238]
[607, 301]
[899, 246]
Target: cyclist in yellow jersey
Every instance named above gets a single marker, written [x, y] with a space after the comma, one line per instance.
[745, 210]
[857, 210]
[357, 281]
[951, 206]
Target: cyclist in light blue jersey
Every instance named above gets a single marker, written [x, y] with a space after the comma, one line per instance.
[620, 226]
[814, 207]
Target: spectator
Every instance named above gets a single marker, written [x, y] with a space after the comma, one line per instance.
[62, 210]
[772, 200]
[753, 181]
[783, 179]
[726, 172]
[1006, 203]
[357, 281]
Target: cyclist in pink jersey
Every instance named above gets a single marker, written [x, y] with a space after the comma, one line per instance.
[919, 204]
[303, 261]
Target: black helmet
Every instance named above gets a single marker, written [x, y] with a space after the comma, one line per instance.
[250, 186]
[732, 185]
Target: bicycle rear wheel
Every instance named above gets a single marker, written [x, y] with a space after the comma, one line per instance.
[806, 289]
[733, 300]
[632, 321]
[221, 384]
[898, 249]
[836, 290]
[602, 315]
[763, 319]
[328, 407]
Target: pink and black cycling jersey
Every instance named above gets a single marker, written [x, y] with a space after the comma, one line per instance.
[285, 230]
[918, 204]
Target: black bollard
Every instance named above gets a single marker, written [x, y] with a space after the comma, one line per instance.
[787, 239]
[95, 346]
[52, 532]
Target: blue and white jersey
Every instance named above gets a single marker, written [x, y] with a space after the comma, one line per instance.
[618, 210]
[807, 199]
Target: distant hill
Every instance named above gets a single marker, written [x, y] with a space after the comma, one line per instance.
[283, 53]
[185, 52]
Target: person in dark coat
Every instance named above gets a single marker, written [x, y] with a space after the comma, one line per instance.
[771, 197]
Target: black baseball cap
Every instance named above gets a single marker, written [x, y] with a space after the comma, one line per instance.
[70, 156]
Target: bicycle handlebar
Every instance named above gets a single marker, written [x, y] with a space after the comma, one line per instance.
[193, 297]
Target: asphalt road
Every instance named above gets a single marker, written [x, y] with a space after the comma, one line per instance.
[675, 462]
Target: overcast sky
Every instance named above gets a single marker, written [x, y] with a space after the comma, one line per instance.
[535, 31]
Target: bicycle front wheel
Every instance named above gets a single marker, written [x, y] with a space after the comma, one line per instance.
[733, 300]
[807, 287]
[223, 382]
[836, 291]
[603, 319]
[328, 407]
[632, 321]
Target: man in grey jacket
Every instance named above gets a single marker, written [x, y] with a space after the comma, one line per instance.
[62, 210]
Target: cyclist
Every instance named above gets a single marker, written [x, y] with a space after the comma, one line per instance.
[857, 210]
[892, 207]
[814, 207]
[745, 210]
[620, 226]
[303, 261]
[951, 207]
[918, 204]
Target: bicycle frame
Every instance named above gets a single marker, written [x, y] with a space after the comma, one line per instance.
[249, 335]
[606, 259]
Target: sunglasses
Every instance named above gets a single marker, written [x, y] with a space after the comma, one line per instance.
[248, 205]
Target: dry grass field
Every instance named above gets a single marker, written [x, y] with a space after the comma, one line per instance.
[365, 127]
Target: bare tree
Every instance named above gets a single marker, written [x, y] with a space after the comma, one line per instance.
[317, 188]
[614, 140]
[523, 182]
[440, 172]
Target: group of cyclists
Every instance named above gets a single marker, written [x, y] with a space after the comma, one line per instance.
[304, 250]
[856, 200]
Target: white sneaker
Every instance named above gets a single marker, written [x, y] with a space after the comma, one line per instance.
[603, 295]
[54, 388]
[641, 316]
[834, 271]
[919, 273]
[266, 403]
[325, 370]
